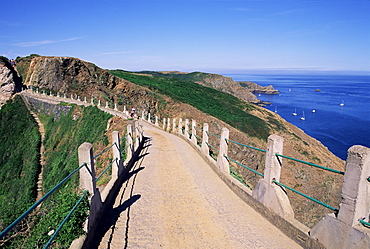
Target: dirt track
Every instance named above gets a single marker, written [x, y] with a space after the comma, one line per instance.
[175, 200]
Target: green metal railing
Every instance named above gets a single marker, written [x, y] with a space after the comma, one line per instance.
[11, 226]
[254, 171]
[311, 164]
[250, 147]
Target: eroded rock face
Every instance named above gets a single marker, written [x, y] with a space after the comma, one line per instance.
[9, 81]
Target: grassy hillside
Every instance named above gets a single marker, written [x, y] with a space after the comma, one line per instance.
[19, 160]
[221, 105]
[62, 139]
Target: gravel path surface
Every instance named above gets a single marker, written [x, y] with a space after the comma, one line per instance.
[174, 200]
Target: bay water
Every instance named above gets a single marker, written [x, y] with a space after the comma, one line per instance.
[336, 107]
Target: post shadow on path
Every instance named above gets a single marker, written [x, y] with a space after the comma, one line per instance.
[110, 214]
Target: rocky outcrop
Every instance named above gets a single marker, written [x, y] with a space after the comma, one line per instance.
[67, 75]
[9, 81]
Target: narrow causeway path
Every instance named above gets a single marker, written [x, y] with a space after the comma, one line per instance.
[174, 200]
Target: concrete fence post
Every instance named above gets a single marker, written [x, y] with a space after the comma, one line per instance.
[156, 121]
[87, 173]
[85, 101]
[138, 135]
[92, 101]
[187, 129]
[99, 103]
[355, 206]
[129, 143]
[115, 107]
[117, 165]
[267, 192]
[149, 118]
[180, 126]
[355, 203]
[174, 125]
[194, 132]
[124, 109]
[273, 163]
[168, 124]
[142, 115]
[222, 162]
[87, 182]
[205, 147]
[164, 124]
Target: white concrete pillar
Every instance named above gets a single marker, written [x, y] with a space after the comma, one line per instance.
[273, 163]
[222, 162]
[99, 103]
[156, 121]
[149, 118]
[92, 101]
[355, 203]
[85, 100]
[180, 126]
[205, 147]
[87, 173]
[174, 125]
[124, 109]
[187, 135]
[65, 96]
[168, 124]
[71, 96]
[193, 132]
[345, 231]
[164, 124]
[78, 98]
[142, 115]
[115, 107]
[129, 143]
[117, 165]
[106, 105]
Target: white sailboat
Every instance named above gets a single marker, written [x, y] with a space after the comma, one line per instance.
[295, 112]
[303, 117]
[342, 104]
[276, 109]
[313, 111]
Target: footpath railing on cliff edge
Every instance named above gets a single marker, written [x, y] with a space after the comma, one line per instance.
[88, 181]
[354, 209]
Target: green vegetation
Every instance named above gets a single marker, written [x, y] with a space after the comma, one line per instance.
[62, 139]
[64, 136]
[221, 105]
[19, 160]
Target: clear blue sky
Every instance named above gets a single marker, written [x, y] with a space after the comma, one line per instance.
[193, 35]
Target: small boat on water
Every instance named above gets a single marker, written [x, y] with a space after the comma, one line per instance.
[313, 111]
[295, 112]
[342, 104]
[303, 117]
[276, 109]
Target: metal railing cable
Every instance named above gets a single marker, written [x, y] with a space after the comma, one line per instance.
[6, 230]
[104, 150]
[311, 164]
[213, 134]
[210, 145]
[254, 171]
[308, 197]
[65, 219]
[102, 173]
[250, 147]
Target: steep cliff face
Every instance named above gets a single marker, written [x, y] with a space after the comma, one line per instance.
[74, 76]
[9, 80]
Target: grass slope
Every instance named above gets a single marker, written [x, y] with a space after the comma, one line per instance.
[221, 105]
[19, 160]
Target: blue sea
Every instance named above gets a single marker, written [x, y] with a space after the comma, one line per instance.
[337, 126]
